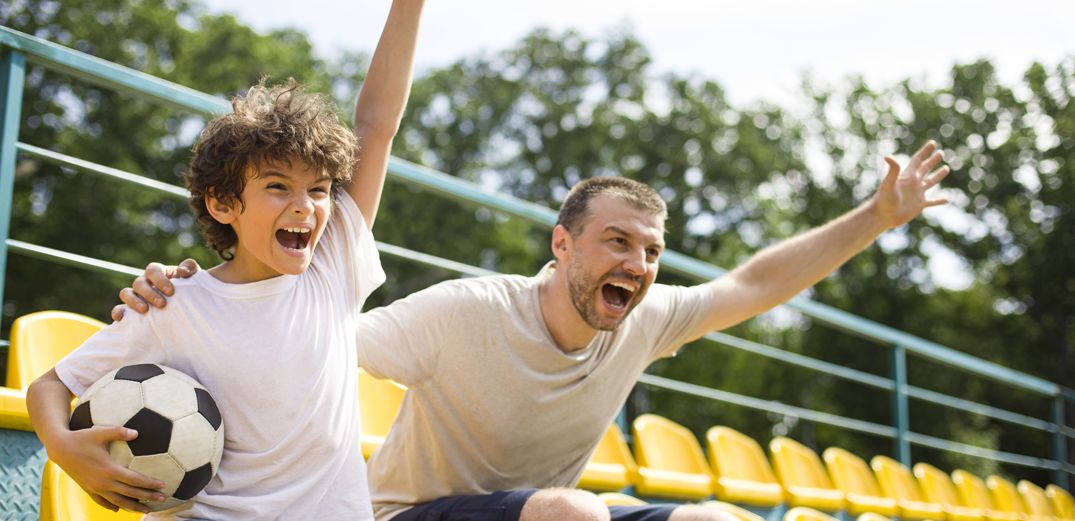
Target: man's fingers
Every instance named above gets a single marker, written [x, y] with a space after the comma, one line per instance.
[936, 177]
[893, 173]
[117, 311]
[187, 268]
[934, 159]
[147, 291]
[157, 275]
[107, 434]
[935, 202]
[922, 154]
[132, 300]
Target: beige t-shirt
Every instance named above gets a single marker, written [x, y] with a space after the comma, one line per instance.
[492, 403]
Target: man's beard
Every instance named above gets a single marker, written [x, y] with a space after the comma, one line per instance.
[584, 291]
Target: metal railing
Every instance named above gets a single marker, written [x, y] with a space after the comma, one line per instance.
[17, 49]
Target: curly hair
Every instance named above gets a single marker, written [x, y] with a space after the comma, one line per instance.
[576, 206]
[270, 124]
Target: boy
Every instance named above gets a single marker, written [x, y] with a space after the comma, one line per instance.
[270, 331]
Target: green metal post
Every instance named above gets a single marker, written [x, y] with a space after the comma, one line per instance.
[12, 77]
[900, 412]
[1060, 443]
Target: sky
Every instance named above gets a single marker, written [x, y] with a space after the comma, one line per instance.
[756, 50]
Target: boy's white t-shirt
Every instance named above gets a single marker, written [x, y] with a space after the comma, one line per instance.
[279, 358]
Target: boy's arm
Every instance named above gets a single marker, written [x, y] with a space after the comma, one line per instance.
[381, 102]
[84, 454]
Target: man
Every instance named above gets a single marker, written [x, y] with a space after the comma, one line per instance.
[512, 380]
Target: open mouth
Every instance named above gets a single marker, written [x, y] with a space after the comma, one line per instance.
[617, 295]
[293, 238]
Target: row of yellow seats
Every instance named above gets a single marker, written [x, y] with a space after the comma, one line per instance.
[669, 462]
[742, 514]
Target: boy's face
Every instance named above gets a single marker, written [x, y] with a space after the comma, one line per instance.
[283, 212]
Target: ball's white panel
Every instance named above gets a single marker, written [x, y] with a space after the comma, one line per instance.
[115, 403]
[169, 396]
[120, 452]
[181, 375]
[162, 467]
[193, 442]
[101, 382]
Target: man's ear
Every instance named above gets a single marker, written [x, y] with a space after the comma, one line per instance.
[223, 213]
[561, 243]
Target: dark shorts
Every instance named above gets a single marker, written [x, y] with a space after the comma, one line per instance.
[508, 505]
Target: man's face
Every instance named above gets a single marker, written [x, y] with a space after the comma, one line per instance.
[613, 261]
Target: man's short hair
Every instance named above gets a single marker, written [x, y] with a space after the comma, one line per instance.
[269, 125]
[575, 209]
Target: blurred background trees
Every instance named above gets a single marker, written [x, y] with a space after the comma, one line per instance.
[991, 274]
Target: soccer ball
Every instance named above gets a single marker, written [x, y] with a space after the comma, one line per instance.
[180, 431]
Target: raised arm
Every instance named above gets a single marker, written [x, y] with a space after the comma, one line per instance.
[381, 102]
[779, 272]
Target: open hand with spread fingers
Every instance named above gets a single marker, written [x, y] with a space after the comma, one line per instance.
[902, 194]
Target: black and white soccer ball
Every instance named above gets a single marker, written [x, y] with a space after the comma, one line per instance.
[180, 431]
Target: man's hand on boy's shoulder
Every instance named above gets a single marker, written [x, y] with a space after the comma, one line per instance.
[152, 287]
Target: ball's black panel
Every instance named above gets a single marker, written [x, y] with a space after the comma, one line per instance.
[138, 373]
[80, 419]
[193, 482]
[207, 407]
[154, 433]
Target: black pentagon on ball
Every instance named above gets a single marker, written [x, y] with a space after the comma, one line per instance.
[80, 419]
[154, 433]
[193, 482]
[207, 408]
[139, 372]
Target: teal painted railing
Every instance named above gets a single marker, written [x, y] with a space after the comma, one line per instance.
[17, 50]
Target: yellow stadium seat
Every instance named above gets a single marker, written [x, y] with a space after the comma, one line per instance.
[611, 466]
[670, 460]
[803, 476]
[63, 500]
[616, 499]
[1063, 503]
[973, 492]
[379, 401]
[898, 483]
[740, 513]
[13, 413]
[938, 488]
[41, 339]
[1038, 506]
[741, 471]
[872, 516]
[1006, 497]
[806, 514]
[851, 475]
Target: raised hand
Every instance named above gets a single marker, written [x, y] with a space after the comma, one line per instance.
[902, 194]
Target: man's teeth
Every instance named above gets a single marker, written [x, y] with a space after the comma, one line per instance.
[297, 230]
[622, 285]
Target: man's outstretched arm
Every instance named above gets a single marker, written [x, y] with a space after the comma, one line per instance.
[778, 273]
[381, 102]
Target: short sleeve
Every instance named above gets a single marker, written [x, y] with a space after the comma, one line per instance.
[402, 340]
[129, 341]
[347, 252]
[672, 313]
